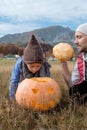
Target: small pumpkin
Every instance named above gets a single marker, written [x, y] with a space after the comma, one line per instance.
[63, 51]
[40, 93]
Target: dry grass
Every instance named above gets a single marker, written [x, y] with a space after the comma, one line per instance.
[65, 116]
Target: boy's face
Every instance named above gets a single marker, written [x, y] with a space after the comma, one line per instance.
[34, 67]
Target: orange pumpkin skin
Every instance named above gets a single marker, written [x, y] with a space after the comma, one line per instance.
[40, 93]
[63, 51]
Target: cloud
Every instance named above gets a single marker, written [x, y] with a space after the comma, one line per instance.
[25, 15]
[6, 28]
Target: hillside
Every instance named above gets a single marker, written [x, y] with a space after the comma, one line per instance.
[51, 35]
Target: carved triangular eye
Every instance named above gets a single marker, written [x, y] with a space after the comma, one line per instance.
[50, 90]
[35, 90]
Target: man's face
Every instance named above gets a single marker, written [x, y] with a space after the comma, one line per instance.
[81, 41]
[34, 67]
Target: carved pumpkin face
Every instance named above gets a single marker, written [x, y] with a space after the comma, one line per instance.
[63, 51]
[38, 93]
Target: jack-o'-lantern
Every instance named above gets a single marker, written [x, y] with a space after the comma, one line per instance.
[63, 51]
[40, 93]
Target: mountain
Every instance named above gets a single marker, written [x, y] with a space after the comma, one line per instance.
[51, 35]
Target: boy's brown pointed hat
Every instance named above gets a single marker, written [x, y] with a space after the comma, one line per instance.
[33, 52]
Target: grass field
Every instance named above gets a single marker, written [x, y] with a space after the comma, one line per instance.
[65, 116]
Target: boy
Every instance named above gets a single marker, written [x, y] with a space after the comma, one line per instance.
[31, 65]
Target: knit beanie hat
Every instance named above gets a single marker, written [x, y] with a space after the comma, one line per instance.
[33, 52]
[82, 28]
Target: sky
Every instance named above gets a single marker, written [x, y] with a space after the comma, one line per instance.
[18, 16]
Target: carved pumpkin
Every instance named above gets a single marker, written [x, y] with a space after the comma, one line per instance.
[41, 93]
[63, 51]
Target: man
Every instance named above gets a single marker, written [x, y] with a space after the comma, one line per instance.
[77, 81]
